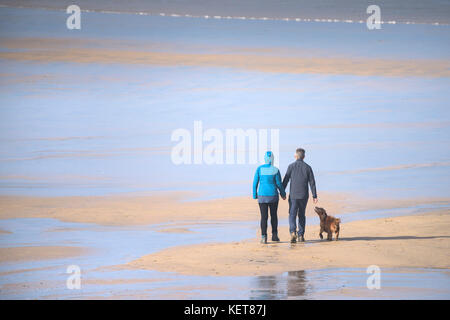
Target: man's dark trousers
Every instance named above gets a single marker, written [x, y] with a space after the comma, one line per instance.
[297, 208]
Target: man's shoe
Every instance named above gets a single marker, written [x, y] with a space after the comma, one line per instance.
[275, 237]
[301, 238]
[264, 239]
[293, 237]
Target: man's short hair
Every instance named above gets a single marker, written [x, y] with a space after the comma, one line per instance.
[300, 153]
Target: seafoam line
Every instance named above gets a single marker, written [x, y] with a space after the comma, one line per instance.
[220, 17]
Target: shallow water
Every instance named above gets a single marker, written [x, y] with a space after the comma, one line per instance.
[100, 128]
[110, 246]
[402, 11]
[351, 284]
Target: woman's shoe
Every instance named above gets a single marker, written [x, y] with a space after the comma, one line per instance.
[264, 239]
[275, 237]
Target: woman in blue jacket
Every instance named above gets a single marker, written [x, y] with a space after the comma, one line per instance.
[268, 178]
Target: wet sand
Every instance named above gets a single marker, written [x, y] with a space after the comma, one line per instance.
[28, 253]
[421, 241]
[175, 230]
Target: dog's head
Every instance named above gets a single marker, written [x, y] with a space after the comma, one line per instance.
[321, 212]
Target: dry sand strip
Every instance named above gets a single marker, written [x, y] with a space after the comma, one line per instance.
[44, 50]
[421, 241]
[30, 253]
[170, 208]
[287, 65]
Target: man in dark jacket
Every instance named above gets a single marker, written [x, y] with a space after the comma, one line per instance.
[300, 174]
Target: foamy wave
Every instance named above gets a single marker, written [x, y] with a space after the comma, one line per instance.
[291, 19]
[323, 20]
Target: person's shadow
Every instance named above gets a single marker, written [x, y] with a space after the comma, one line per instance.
[368, 238]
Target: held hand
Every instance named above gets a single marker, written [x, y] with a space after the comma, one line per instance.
[283, 197]
[315, 200]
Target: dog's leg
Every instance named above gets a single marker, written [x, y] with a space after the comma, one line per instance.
[337, 235]
[330, 236]
[320, 234]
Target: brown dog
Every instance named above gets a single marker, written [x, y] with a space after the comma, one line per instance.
[328, 224]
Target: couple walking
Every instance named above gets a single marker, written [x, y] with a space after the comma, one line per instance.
[266, 185]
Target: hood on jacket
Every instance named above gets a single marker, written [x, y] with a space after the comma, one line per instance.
[268, 158]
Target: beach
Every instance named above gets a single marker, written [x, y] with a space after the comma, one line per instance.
[90, 170]
[400, 242]
[129, 210]
[403, 235]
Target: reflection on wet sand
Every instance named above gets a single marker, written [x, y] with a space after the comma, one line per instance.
[290, 285]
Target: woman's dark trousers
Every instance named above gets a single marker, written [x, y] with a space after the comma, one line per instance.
[264, 208]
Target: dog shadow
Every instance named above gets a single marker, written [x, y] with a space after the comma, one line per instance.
[382, 238]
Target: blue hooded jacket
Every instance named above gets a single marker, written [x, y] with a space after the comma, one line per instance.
[269, 179]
